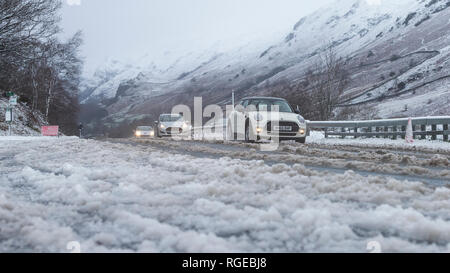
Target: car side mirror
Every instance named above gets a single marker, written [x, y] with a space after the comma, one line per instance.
[297, 110]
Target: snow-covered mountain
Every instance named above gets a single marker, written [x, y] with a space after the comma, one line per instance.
[398, 53]
[104, 82]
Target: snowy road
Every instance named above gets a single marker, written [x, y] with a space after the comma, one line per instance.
[166, 196]
[426, 165]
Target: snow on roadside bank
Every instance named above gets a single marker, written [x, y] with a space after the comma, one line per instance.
[381, 143]
[116, 197]
[34, 138]
[26, 122]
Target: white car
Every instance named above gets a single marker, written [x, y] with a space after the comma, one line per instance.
[172, 125]
[144, 131]
[256, 119]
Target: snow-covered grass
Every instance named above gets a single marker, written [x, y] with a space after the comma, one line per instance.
[116, 197]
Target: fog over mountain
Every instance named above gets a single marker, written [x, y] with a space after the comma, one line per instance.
[127, 30]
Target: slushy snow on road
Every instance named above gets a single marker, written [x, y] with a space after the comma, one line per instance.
[113, 197]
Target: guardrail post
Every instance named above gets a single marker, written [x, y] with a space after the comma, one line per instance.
[386, 130]
[403, 131]
[434, 134]
[394, 129]
[423, 128]
[356, 132]
[326, 132]
[343, 132]
[445, 129]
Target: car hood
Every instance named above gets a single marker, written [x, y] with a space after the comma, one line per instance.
[283, 116]
[173, 124]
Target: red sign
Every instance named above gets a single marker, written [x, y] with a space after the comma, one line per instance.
[50, 130]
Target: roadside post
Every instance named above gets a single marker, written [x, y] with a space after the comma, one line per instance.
[232, 98]
[9, 118]
[409, 132]
[80, 128]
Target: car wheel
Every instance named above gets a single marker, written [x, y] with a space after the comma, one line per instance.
[301, 140]
[247, 134]
[230, 134]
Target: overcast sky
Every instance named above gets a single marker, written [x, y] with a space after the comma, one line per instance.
[127, 29]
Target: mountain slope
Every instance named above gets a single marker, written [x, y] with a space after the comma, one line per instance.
[397, 52]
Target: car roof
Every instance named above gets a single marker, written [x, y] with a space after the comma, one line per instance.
[261, 98]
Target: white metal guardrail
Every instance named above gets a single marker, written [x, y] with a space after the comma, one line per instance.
[386, 128]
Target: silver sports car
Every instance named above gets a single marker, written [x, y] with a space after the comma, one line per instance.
[172, 125]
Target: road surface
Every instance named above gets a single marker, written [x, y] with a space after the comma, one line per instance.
[430, 167]
[159, 195]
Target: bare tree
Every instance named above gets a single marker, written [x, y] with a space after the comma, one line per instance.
[296, 94]
[318, 92]
[23, 22]
[63, 67]
[327, 80]
[35, 64]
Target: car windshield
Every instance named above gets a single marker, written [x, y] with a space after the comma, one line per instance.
[170, 118]
[269, 105]
[144, 128]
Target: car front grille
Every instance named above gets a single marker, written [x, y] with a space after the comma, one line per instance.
[172, 131]
[293, 125]
[281, 134]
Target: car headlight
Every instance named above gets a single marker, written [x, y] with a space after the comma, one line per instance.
[138, 133]
[185, 125]
[258, 117]
[301, 119]
[152, 133]
[162, 126]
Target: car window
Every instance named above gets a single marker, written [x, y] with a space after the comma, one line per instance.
[170, 118]
[269, 105]
[144, 128]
